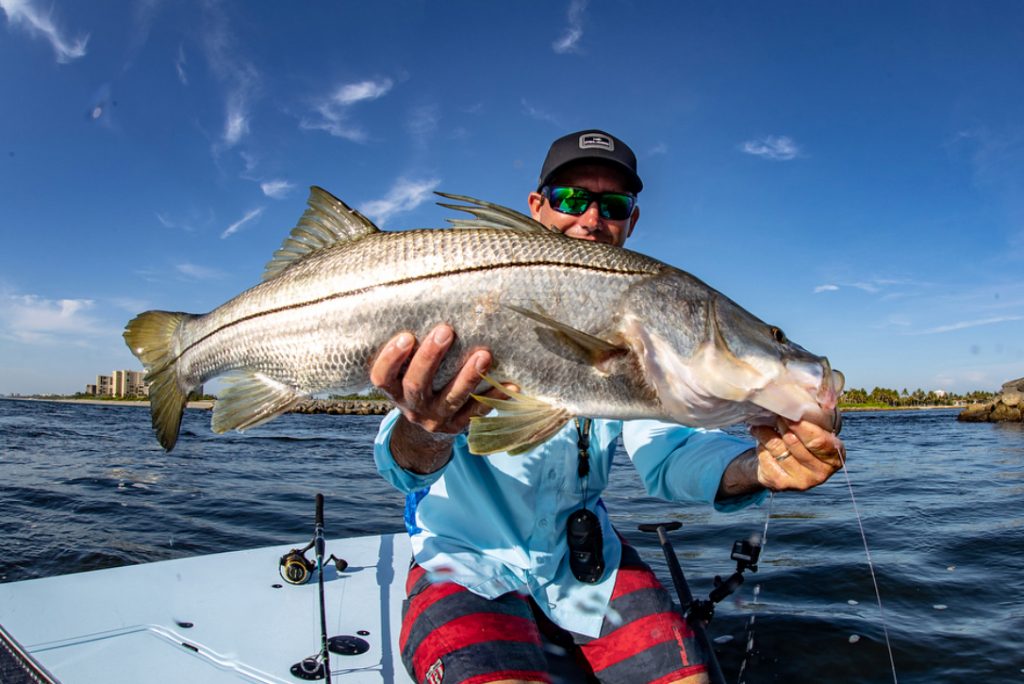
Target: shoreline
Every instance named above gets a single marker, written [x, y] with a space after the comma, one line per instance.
[309, 406]
[207, 404]
[858, 409]
[203, 404]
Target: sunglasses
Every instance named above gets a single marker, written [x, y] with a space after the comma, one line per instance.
[615, 206]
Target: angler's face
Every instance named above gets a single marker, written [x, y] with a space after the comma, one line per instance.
[589, 225]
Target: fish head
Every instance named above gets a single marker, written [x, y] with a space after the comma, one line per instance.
[713, 364]
[741, 354]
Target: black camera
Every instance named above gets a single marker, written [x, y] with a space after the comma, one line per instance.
[586, 546]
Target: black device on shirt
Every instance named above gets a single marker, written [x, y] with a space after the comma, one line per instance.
[583, 530]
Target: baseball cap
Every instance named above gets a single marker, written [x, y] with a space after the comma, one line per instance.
[590, 145]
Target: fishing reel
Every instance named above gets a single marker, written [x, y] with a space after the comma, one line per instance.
[296, 569]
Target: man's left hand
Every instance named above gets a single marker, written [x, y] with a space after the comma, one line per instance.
[796, 455]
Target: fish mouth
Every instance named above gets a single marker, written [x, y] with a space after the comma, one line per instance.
[806, 390]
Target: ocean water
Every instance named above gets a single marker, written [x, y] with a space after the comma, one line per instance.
[84, 487]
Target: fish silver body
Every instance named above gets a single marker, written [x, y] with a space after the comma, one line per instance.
[582, 328]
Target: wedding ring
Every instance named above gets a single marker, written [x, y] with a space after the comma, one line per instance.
[783, 456]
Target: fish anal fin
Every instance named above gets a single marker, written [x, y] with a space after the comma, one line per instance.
[597, 350]
[523, 423]
[327, 222]
[251, 399]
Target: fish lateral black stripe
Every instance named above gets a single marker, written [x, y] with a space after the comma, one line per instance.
[404, 281]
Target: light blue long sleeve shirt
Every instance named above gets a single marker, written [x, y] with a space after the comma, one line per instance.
[497, 523]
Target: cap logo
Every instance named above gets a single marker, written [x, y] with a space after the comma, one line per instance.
[596, 140]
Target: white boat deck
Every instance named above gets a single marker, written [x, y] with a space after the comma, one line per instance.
[219, 618]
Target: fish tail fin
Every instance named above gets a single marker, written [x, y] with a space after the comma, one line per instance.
[151, 337]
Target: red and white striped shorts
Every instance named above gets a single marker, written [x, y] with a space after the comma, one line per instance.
[449, 634]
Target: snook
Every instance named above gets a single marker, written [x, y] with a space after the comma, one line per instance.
[584, 329]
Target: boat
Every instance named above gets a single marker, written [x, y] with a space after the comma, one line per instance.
[249, 616]
[226, 617]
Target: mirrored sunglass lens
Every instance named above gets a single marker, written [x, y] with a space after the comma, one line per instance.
[570, 200]
[616, 207]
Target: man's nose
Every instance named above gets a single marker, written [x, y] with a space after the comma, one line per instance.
[590, 217]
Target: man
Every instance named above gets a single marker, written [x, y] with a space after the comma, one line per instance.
[507, 547]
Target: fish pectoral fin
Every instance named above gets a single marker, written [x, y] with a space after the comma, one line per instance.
[327, 222]
[251, 399]
[594, 348]
[489, 215]
[523, 423]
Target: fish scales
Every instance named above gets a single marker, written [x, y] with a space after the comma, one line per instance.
[582, 328]
[331, 314]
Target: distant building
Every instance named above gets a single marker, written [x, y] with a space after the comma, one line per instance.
[939, 393]
[120, 383]
[104, 386]
[129, 383]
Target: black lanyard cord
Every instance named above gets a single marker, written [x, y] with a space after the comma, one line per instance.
[583, 454]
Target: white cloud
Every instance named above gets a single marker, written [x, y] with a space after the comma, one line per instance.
[236, 122]
[39, 22]
[189, 219]
[130, 304]
[963, 325]
[237, 225]
[660, 148]
[405, 195]
[826, 288]
[422, 123]
[351, 93]
[538, 114]
[30, 318]
[239, 78]
[179, 65]
[144, 14]
[276, 189]
[777, 148]
[197, 272]
[569, 41]
[332, 113]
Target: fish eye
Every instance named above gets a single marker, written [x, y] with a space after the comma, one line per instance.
[778, 335]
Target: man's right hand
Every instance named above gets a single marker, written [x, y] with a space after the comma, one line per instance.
[422, 438]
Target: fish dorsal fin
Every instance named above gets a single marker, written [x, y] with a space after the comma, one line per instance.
[594, 348]
[251, 399]
[490, 215]
[328, 221]
[522, 423]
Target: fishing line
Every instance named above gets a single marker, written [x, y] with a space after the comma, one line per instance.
[757, 592]
[871, 565]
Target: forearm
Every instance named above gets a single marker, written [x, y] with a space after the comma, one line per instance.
[418, 450]
[740, 477]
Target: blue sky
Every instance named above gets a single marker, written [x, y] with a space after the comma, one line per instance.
[852, 172]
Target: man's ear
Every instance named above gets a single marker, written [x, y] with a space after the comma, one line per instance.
[535, 201]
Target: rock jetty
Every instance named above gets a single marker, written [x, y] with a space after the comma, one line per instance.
[357, 407]
[1008, 406]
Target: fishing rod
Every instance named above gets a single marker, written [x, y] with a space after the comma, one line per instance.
[295, 569]
[698, 613]
[319, 545]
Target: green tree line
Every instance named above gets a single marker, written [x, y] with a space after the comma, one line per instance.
[885, 397]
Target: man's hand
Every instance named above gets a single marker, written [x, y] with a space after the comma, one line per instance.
[794, 456]
[422, 438]
[797, 455]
